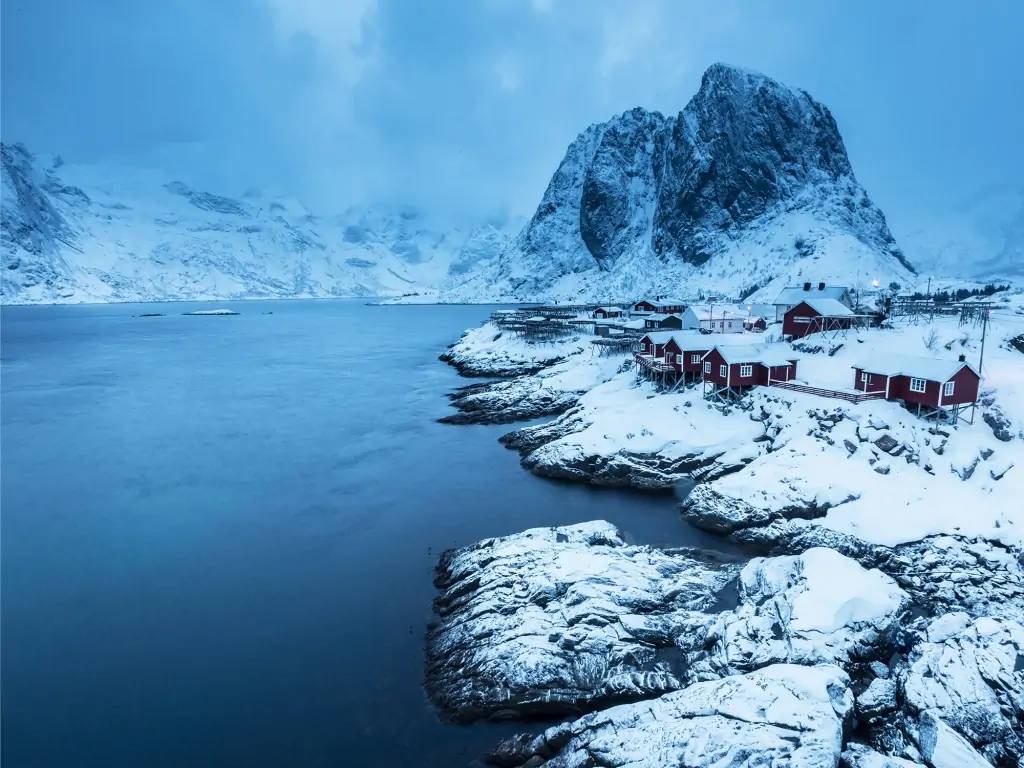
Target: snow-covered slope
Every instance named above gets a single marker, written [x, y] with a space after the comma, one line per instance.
[83, 233]
[748, 187]
[981, 237]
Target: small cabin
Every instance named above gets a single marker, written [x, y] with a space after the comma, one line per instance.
[816, 316]
[925, 382]
[714, 319]
[730, 370]
[755, 325]
[790, 297]
[658, 321]
[603, 313]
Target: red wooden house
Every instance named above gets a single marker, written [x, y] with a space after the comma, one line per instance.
[656, 355]
[603, 313]
[755, 324]
[944, 387]
[693, 345]
[730, 370]
[814, 315]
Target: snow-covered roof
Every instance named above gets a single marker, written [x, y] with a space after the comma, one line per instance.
[695, 340]
[660, 316]
[768, 354]
[791, 296]
[931, 368]
[716, 312]
[610, 309]
[660, 337]
[827, 307]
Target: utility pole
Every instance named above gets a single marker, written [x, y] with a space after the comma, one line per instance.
[984, 327]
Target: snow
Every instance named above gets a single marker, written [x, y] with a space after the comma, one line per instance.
[212, 312]
[631, 418]
[840, 592]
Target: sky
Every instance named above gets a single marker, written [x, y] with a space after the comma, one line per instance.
[465, 108]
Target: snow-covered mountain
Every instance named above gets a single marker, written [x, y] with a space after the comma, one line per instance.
[72, 234]
[981, 237]
[748, 187]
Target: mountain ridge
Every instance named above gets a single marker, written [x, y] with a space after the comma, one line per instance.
[100, 236]
[643, 199]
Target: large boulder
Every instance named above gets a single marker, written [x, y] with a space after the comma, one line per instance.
[813, 608]
[559, 620]
[783, 715]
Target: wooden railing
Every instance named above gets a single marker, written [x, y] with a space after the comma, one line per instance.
[837, 394]
[653, 363]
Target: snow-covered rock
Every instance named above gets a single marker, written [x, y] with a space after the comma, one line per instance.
[784, 715]
[814, 608]
[556, 620]
[80, 233]
[748, 187]
[548, 392]
[625, 433]
[968, 675]
[861, 756]
[487, 350]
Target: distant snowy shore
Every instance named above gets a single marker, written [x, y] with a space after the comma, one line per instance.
[893, 545]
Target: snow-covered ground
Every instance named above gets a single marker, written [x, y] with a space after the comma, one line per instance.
[874, 469]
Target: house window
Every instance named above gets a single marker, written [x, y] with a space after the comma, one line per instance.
[746, 370]
[707, 367]
[695, 357]
[669, 357]
[865, 379]
[917, 385]
[801, 320]
[947, 388]
[723, 370]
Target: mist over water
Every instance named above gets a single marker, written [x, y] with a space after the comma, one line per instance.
[219, 533]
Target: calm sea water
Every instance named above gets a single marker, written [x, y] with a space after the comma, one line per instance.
[219, 533]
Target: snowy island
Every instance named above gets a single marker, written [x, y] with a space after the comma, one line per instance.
[875, 619]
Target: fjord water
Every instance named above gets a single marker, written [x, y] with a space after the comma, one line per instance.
[219, 532]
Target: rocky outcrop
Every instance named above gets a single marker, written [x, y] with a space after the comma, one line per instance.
[506, 401]
[814, 608]
[781, 715]
[955, 698]
[549, 392]
[488, 351]
[626, 469]
[562, 620]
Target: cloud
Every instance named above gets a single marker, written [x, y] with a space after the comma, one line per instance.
[508, 72]
[338, 29]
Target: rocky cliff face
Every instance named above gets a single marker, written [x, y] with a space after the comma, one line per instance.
[750, 182]
[73, 234]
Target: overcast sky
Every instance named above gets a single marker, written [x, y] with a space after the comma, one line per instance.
[467, 107]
